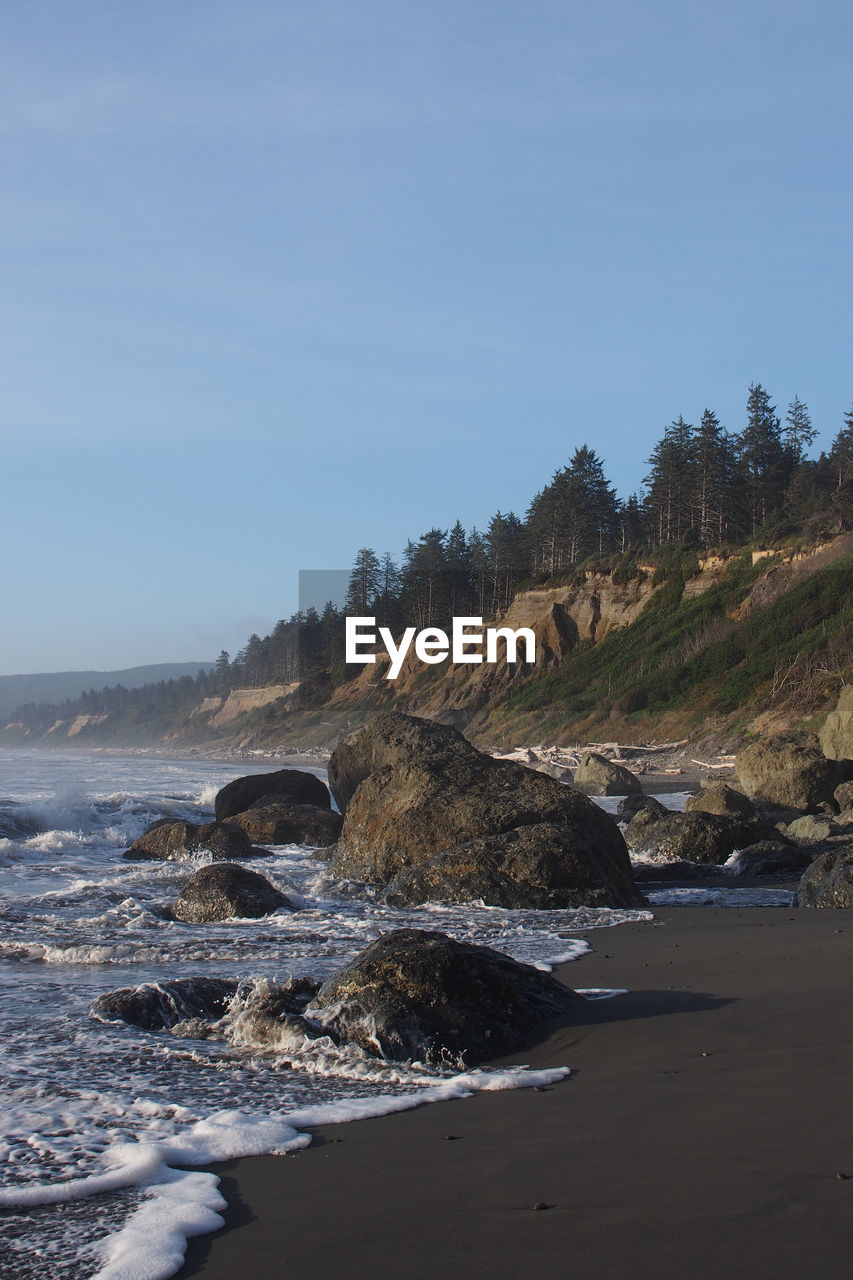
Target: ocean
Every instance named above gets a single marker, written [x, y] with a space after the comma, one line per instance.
[103, 1126]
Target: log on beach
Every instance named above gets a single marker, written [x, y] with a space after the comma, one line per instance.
[702, 1134]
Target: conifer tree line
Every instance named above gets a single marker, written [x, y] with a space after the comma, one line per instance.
[706, 487]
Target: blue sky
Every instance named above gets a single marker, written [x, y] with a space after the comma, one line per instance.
[281, 280]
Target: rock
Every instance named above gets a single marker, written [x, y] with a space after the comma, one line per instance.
[293, 786]
[537, 867]
[442, 792]
[812, 828]
[828, 882]
[767, 858]
[278, 823]
[223, 890]
[418, 995]
[788, 770]
[156, 1006]
[836, 736]
[719, 797]
[598, 776]
[692, 837]
[629, 805]
[843, 797]
[172, 841]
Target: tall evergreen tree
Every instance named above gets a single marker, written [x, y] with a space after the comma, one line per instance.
[365, 583]
[671, 483]
[712, 480]
[765, 462]
[799, 432]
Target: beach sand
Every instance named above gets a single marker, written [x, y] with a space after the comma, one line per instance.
[701, 1134]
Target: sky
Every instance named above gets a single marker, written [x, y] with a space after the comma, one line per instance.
[282, 279]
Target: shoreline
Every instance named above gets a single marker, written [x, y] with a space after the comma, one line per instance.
[702, 1131]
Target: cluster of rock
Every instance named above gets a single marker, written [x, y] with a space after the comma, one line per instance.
[288, 806]
[413, 994]
[432, 818]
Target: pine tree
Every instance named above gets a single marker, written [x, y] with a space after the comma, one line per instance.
[671, 483]
[712, 480]
[365, 583]
[765, 462]
[799, 432]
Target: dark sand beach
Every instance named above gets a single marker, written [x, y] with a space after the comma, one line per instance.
[702, 1133]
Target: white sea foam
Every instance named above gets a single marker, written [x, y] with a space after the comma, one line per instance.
[84, 1100]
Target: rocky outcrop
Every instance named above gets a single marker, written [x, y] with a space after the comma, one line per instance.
[157, 1006]
[828, 882]
[718, 797]
[172, 841]
[270, 822]
[768, 858]
[836, 736]
[787, 770]
[535, 867]
[419, 995]
[412, 788]
[812, 828]
[692, 837]
[843, 797]
[223, 890]
[293, 786]
[598, 776]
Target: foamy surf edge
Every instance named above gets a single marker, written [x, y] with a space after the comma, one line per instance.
[180, 1204]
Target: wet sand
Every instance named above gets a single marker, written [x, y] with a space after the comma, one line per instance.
[701, 1134]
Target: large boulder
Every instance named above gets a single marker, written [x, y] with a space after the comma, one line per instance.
[692, 837]
[439, 792]
[768, 858]
[538, 867]
[172, 841]
[787, 770]
[293, 786]
[157, 1006]
[419, 995]
[811, 828]
[828, 882]
[272, 822]
[836, 736]
[843, 797]
[598, 776]
[223, 890]
[718, 797]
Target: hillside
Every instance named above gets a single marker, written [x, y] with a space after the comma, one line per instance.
[713, 647]
[59, 686]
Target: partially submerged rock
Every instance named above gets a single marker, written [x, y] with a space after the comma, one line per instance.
[719, 797]
[768, 858]
[293, 786]
[598, 776]
[629, 805]
[828, 882]
[223, 890]
[788, 770]
[692, 837]
[172, 841]
[537, 867]
[157, 1006]
[417, 994]
[273, 822]
[413, 789]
